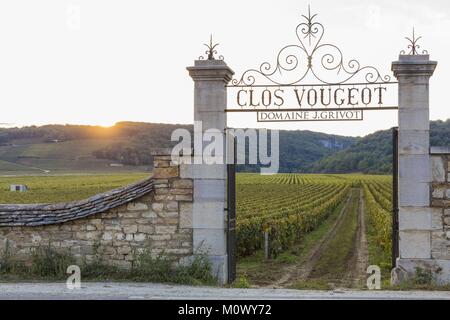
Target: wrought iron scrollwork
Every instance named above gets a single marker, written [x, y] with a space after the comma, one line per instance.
[211, 50]
[309, 34]
[413, 47]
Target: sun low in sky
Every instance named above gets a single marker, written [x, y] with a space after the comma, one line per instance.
[100, 62]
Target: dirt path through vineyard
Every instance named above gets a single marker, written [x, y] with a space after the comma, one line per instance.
[362, 252]
[339, 258]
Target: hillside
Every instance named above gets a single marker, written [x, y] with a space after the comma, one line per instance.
[373, 153]
[126, 147]
[300, 149]
[75, 148]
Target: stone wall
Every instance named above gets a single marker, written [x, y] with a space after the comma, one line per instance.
[429, 246]
[155, 214]
[440, 201]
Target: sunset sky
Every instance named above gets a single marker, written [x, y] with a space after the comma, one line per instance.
[103, 61]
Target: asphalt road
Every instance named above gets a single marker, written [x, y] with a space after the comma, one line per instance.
[121, 291]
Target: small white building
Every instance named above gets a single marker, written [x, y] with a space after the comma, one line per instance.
[116, 165]
[18, 188]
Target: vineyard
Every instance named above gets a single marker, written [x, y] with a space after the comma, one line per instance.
[62, 188]
[289, 206]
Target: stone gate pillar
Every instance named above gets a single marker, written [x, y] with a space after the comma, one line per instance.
[209, 216]
[415, 215]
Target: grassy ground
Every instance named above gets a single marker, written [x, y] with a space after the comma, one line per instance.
[50, 189]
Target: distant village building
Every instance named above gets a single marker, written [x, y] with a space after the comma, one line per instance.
[116, 165]
[18, 188]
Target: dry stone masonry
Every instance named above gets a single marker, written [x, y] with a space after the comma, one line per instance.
[154, 215]
[440, 202]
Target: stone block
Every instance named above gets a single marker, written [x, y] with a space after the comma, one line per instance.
[161, 191]
[144, 221]
[165, 173]
[182, 184]
[112, 222]
[139, 237]
[149, 214]
[414, 119]
[440, 245]
[129, 237]
[186, 171]
[120, 236]
[219, 268]
[186, 244]
[187, 198]
[136, 206]
[209, 171]
[107, 236]
[209, 190]
[443, 203]
[415, 168]
[436, 219]
[159, 237]
[166, 156]
[186, 211]
[157, 207]
[413, 142]
[124, 250]
[95, 222]
[130, 229]
[112, 228]
[438, 193]
[437, 169]
[181, 191]
[415, 244]
[413, 194]
[92, 235]
[166, 197]
[209, 215]
[157, 182]
[128, 222]
[446, 220]
[211, 119]
[415, 218]
[169, 214]
[171, 206]
[165, 229]
[161, 163]
[90, 228]
[210, 241]
[178, 251]
[128, 214]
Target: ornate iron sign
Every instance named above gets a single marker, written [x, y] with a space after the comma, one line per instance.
[314, 79]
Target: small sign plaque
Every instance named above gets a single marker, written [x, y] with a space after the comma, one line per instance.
[310, 115]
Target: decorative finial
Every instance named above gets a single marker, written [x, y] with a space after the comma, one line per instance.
[413, 46]
[310, 23]
[211, 50]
